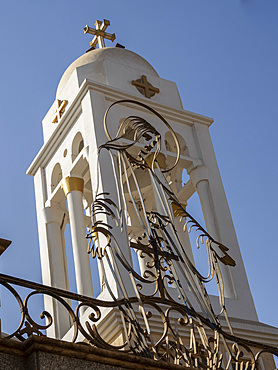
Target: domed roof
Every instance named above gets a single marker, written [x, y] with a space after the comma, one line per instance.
[118, 55]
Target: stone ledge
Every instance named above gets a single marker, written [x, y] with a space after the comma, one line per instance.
[44, 353]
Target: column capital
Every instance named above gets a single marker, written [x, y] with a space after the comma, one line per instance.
[198, 174]
[72, 183]
[52, 214]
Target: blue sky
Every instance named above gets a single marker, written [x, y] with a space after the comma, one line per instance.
[223, 56]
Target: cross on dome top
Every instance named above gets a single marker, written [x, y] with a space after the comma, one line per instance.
[100, 33]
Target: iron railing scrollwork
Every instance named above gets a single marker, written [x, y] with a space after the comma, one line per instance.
[205, 346]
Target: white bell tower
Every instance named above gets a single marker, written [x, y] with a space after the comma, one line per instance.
[69, 172]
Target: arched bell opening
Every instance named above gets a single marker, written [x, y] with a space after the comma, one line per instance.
[171, 146]
[77, 146]
[56, 176]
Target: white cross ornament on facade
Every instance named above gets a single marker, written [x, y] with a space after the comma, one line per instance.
[100, 33]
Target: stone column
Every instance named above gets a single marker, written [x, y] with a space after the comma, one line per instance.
[143, 261]
[199, 177]
[73, 189]
[58, 266]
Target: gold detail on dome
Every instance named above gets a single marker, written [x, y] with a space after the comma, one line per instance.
[72, 183]
[144, 87]
[61, 104]
[99, 33]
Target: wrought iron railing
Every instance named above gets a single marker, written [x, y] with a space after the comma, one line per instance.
[200, 345]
